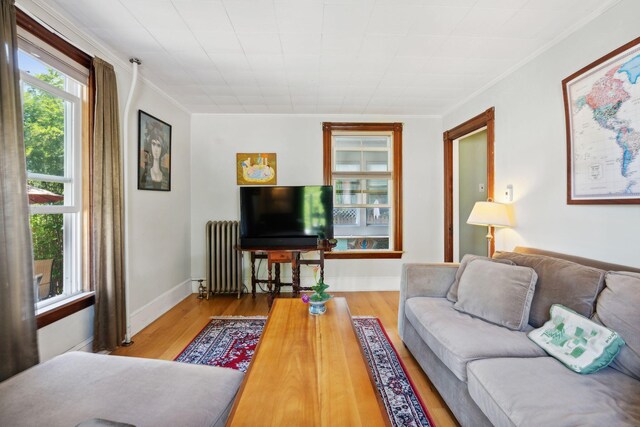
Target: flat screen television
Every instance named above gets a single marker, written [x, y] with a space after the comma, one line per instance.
[285, 216]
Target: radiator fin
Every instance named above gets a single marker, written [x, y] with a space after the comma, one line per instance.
[224, 261]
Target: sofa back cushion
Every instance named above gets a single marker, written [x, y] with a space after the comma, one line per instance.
[452, 295]
[559, 282]
[498, 293]
[618, 308]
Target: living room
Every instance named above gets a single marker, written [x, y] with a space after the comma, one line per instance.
[165, 231]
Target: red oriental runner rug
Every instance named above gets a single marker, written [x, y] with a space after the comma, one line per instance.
[230, 342]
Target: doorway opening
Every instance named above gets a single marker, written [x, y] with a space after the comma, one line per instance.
[469, 187]
[481, 127]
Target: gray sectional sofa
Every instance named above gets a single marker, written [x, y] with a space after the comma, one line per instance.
[490, 375]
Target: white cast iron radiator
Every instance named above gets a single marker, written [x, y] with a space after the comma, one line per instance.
[224, 261]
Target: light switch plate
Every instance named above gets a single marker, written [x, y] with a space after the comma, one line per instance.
[508, 194]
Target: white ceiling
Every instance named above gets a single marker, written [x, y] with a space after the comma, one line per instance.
[325, 56]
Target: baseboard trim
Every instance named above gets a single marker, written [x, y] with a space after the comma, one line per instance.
[86, 345]
[142, 317]
[363, 284]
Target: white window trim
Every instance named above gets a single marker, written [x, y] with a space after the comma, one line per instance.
[72, 180]
[363, 176]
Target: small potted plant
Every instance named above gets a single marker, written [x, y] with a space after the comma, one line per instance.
[319, 297]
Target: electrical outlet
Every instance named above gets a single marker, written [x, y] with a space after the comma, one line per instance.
[481, 188]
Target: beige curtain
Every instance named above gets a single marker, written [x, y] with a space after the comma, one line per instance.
[18, 339]
[107, 272]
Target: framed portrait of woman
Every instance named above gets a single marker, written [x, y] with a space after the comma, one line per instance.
[154, 153]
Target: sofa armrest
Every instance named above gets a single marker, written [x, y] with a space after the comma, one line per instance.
[424, 280]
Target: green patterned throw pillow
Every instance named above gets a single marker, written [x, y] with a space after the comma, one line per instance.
[580, 344]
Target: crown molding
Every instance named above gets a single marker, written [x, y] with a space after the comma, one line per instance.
[327, 116]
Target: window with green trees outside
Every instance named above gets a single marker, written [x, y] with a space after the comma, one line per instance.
[52, 113]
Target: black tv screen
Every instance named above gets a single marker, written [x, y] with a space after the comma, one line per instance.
[285, 216]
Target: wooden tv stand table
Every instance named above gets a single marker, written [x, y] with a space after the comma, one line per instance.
[279, 255]
[308, 371]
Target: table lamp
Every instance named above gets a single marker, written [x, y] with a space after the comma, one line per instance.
[490, 214]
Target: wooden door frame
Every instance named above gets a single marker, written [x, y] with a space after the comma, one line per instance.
[484, 119]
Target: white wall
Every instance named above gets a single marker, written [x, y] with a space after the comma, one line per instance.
[73, 332]
[158, 234]
[530, 148]
[158, 220]
[297, 141]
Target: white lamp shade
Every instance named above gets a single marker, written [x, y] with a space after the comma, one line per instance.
[490, 214]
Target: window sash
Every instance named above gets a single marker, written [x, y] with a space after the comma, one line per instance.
[362, 190]
[72, 180]
[40, 84]
[72, 149]
[364, 175]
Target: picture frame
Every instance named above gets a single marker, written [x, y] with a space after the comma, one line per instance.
[602, 116]
[154, 153]
[256, 169]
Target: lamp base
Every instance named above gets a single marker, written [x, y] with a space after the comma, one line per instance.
[489, 237]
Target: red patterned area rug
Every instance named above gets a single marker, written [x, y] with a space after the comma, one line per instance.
[231, 342]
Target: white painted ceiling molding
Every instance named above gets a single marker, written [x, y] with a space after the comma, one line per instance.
[408, 57]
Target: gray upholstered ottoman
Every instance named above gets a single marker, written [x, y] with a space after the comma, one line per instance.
[77, 387]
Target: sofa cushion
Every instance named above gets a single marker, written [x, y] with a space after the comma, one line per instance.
[582, 345]
[498, 293]
[618, 308]
[76, 387]
[452, 295]
[559, 282]
[458, 338]
[542, 392]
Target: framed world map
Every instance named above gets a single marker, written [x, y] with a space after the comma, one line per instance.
[602, 109]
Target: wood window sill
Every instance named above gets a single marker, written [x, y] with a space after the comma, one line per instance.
[54, 314]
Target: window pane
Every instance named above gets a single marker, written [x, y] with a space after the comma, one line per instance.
[44, 130]
[347, 191]
[40, 70]
[348, 167]
[352, 233]
[45, 193]
[377, 161]
[356, 191]
[345, 216]
[348, 161]
[372, 243]
[377, 191]
[378, 216]
[48, 251]
[367, 141]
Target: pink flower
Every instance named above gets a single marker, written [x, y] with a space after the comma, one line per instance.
[305, 298]
[315, 269]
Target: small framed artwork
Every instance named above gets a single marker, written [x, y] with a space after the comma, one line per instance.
[602, 111]
[256, 168]
[154, 153]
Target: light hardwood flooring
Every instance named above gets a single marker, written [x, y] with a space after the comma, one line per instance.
[171, 333]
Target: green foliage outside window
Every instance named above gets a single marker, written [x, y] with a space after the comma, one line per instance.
[44, 147]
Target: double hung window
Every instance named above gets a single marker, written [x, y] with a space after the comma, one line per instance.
[363, 163]
[54, 91]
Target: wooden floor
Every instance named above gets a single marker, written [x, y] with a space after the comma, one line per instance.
[170, 334]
